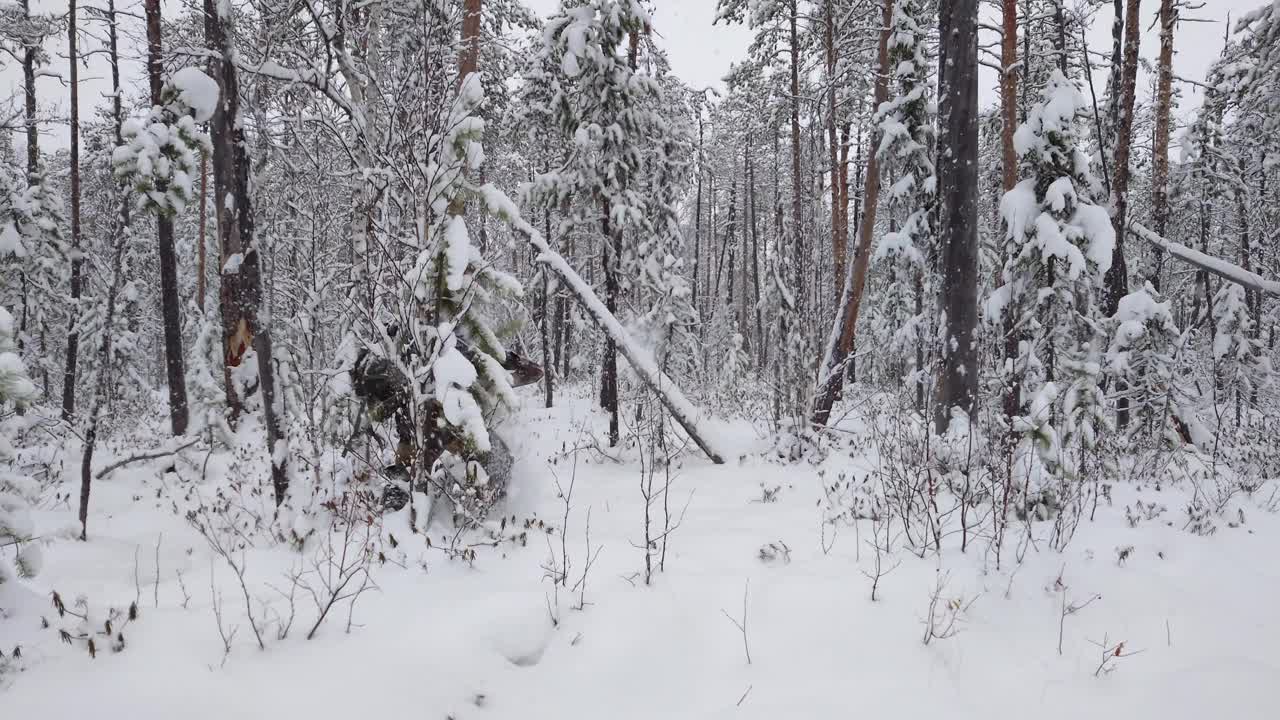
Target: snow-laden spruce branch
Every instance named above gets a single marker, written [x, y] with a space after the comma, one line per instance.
[1208, 263]
[641, 361]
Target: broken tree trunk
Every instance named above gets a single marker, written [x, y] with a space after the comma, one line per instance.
[244, 324]
[1208, 263]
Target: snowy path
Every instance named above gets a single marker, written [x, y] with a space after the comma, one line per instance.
[477, 643]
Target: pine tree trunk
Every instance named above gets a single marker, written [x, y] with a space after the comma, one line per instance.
[840, 343]
[1009, 178]
[545, 325]
[69, 375]
[470, 60]
[958, 202]
[697, 224]
[105, 365]
[837, 240]
[170, 304]
[796, 182]
[33, 153]
[1009, 94]
[609, 361]
[1114, 91]
[1164, 107]
[761, 345]
[1117, 277]
[244, 326]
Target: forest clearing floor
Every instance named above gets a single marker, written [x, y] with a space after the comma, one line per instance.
[445, 638]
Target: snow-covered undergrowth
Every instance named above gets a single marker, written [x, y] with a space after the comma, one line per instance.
[760, 603]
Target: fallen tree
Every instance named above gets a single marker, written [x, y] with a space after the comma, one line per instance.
[682, 411]
[1223, 269]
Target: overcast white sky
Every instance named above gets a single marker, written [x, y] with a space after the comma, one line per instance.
[701, 53]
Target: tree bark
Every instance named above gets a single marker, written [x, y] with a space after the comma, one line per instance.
[241, 287]
[470, 59]
[958, 189]
[840, 342]
[1164, 107]
[69, 375]
[1009, 94]
[175, 366]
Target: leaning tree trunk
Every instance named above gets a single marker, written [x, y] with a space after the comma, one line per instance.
[840, 342]
[646, 368]
[241, 273]
[1164, 106]
[170, 304]
[69, 375]
[957, 193]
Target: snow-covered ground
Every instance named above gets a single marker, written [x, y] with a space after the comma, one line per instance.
[441, 638]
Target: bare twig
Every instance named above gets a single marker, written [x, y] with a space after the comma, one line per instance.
[742, 626]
